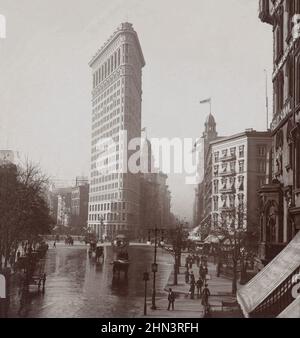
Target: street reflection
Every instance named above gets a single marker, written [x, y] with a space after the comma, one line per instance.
[77, 286]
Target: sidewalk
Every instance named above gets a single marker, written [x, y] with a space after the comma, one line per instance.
[220, 288]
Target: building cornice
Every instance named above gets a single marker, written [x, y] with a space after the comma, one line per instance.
[123, 28]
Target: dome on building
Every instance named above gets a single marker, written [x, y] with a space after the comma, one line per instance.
[210, 120]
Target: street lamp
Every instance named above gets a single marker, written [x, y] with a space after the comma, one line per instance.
[156, 231]
[145, 279]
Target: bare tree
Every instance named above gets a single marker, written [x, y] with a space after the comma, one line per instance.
[24, 213]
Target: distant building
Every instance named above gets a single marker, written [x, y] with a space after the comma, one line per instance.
[202, 197]
[155, 196]
[9, 156]
[63, 198]
[79, 203]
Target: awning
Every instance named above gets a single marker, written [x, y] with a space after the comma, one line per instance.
[292, 311]
[267, 280]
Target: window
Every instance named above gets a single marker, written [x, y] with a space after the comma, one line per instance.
[262, 167]
[216, 170]
[216, 186]
[241, 183]
[241, 166]
[224, 153]
[224, 168]
[232, 151]
[232, 201]
[232, 166]
[279, 92]
[279, 35]
[261, 151]
[224, 184]
[119, 57]
[216, 156]
[242, 151]
[216, 203]
[224, 200]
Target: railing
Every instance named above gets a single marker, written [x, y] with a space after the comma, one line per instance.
[231, 157]
[227, 190]
[228, 173]
[278, 300]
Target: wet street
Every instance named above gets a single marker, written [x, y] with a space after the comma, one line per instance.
[78, 287]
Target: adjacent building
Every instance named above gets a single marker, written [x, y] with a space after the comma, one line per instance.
[280, 198]
[114, 196]
[273, 292]
[238, 171]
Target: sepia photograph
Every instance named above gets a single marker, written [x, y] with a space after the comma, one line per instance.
[149, 162]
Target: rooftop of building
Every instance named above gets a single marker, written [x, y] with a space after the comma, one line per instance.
[122, 28]
[249, 133]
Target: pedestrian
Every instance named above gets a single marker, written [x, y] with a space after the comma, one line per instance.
[191, 263]
[54, 244]
[187, 262]
[205, 295]
[192, 290]
[192, 277]
[44, 281]
[171, 299]
[187, 276]
[199, 287]
[206, 270]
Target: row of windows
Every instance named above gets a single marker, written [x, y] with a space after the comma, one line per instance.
[228, 184]
[108, 206]
[106, 118]
[229, 168]
[105, 187]
[107, 68]
[108, 217]
[124, 194]
[112, 63]
[107, 92]
[106, 178]
[228, 201]
[229, 152]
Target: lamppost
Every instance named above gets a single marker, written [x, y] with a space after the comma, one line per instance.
[145, 279]
[156, 231]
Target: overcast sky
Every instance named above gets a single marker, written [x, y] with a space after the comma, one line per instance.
[193, 50]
